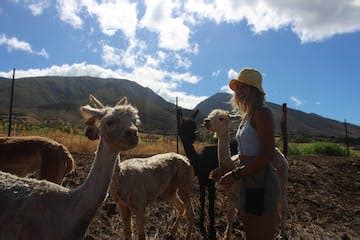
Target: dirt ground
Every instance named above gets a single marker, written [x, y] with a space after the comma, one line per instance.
[324, 202]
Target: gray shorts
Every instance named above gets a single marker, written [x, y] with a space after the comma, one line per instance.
[267, 178]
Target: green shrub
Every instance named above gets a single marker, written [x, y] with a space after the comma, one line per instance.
[294, 150]
[329, 149]
[317, 148]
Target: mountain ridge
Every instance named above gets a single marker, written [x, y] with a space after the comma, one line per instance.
[298, 122]
[59, 98]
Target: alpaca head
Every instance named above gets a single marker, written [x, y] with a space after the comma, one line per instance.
[117, 126]
[187, 127]
[91, 130]
[218, 121]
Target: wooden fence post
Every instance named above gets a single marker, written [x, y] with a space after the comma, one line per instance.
[11, 102]
[177, 126]
[284, 134]
[347, 140]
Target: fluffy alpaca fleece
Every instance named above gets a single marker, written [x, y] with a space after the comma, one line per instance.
[138, 182]
[33, 209]
[24, 155]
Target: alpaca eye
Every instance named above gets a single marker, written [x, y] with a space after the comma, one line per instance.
[221, 118]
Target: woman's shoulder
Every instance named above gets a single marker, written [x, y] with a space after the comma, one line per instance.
[263, 115]
[263, 111]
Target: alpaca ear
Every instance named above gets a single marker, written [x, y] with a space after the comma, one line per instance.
[95, 102]
[122, 101]
[194, 114]
[91, 114]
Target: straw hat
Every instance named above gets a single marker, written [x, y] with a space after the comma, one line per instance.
[249, 76]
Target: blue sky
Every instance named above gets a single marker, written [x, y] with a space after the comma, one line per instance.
[308, 51]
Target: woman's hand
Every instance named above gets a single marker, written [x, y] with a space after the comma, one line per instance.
[227, 180]
[216, 174]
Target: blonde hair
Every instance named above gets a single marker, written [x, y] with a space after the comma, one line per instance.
[246, 109]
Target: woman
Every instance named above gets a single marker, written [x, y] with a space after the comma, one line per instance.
[255, 138]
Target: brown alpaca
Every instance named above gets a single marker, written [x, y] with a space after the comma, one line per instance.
[24, 155]
[33, 209]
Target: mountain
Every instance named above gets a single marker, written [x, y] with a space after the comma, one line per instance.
[59, 98]
[56, 100]
[298, 122]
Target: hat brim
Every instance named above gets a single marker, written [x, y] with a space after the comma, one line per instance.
[232, 85]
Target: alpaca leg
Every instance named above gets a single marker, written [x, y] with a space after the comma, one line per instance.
[211, 210]
[126, 218]
[189, 214]
[140, 226]
[230, 216]
[179, 205]
[202, 209]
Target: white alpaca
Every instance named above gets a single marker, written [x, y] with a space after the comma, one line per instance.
[32, 209]
[139, 181]
[24, 155]
[218, 121]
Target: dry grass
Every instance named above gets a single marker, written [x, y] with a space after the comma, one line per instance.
[150, 144]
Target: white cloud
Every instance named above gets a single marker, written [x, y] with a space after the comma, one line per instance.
[80, 69]
[310, 20]
[137, 54]
[173, 20]
[111, 55]
[43, 53]
[37, 7]
[215, 73]
[15, 44]
[130, 58]
[181, 61]
[160, 17]
[69, 12]
[226, 89]
[232, 74]
[114, 15]
[184, 99]
[111, 15]
[296, 101]
[184, 77]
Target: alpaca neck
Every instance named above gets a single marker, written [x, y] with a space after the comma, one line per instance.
[191, 153]
[224, 157]
[90, 195]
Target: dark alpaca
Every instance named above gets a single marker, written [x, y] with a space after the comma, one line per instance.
[203, 163]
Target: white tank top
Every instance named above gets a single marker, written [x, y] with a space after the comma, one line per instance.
[248, 140]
